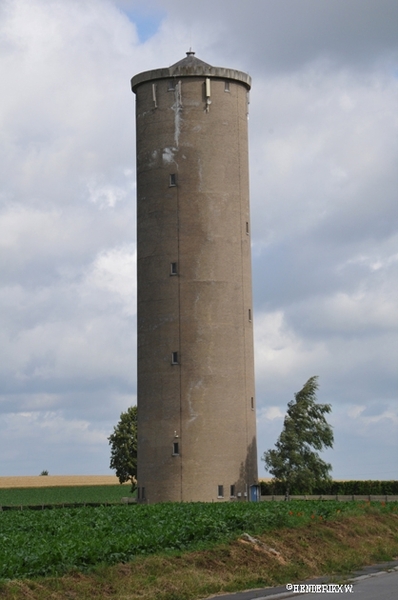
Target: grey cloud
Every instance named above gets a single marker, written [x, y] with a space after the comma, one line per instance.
[278, 35]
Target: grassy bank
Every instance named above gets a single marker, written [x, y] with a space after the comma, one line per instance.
[285, 555]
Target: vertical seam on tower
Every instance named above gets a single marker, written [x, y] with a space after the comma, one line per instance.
[179, 332]
[242, 276]
[178, 107]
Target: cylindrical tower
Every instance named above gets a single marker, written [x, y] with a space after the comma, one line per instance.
[196, 401]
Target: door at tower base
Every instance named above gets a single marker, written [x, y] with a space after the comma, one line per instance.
[255, 493]
[196, 402]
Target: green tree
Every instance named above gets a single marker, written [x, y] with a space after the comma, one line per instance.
[123, 442]
[294, 463]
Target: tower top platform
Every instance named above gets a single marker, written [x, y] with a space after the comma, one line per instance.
[190, 66]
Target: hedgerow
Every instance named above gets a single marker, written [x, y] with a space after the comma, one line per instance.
[343, 488]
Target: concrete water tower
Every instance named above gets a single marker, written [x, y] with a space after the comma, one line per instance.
[196, 400]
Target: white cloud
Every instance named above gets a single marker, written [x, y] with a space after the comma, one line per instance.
[280, 352]
[315, 165]
[114, 271]
[270, 413]
[355, 411]
[65, 72]
[105, 196]
[87, 333]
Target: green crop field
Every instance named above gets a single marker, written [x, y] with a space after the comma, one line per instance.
[63, 495]
[51, 542]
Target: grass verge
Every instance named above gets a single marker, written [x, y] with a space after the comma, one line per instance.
[285, 555]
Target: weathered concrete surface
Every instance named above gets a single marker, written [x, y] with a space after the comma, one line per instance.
[193, 213]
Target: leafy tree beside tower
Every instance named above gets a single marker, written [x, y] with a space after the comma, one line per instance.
[294, 462]
[123, 442]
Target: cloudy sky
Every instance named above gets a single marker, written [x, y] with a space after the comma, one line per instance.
[323, 157]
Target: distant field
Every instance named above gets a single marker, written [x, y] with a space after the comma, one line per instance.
[57, 480]
[80, 494]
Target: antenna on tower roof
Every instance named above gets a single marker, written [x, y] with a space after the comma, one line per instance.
[190, 52]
